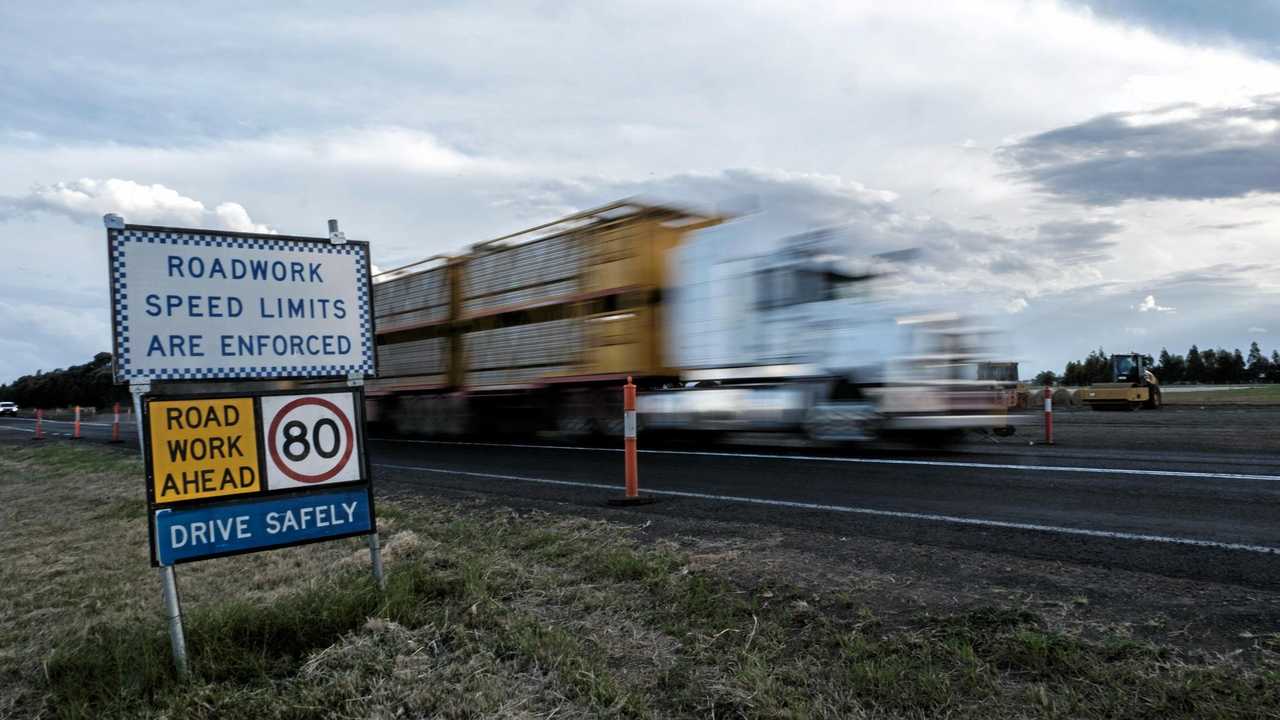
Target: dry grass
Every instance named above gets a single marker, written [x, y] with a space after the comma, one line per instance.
[516, 615]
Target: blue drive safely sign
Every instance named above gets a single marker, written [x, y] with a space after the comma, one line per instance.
[226, 529]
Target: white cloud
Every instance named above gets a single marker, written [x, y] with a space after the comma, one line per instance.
[86, 200]
[233, 216]
[396, 147]
[1149, 304]
[1016, 305]
[1257, 329]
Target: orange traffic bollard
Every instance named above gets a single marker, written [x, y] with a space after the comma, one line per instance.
[629, 437]
[632, 496]
[1048, 415]
[115, 425]
[75, 435]
[39, 425]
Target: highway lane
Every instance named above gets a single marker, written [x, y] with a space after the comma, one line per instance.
[1185, 513]
[1207, 525]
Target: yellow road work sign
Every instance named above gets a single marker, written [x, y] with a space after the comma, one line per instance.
[203, 449]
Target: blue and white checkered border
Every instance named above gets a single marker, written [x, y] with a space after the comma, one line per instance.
[120, 289]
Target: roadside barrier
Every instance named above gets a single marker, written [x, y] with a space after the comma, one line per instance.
[75, 435]
[39, 425]
[632, 496]
[115, 425]
[1048, 415]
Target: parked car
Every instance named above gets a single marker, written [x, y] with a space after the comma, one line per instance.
[8, 408]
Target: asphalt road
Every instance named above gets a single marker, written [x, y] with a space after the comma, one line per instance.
[1131, 490]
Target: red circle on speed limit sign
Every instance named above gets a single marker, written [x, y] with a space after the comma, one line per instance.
[346, 437]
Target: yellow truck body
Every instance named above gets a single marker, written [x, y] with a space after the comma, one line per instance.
[576, 300]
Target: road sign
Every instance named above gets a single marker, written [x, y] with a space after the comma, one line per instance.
[218, 464]
[200, 533]
[198, 305]
[310, 440]
[202, 304]
[202, 449]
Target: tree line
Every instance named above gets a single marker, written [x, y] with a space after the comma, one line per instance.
[88, 385]
[1208, 366]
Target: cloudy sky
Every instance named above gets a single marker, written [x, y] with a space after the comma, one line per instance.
[1088, 173]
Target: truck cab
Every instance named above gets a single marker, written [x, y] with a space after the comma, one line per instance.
[799, 334]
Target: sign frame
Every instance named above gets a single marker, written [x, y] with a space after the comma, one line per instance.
[264, 492]
[117, 281]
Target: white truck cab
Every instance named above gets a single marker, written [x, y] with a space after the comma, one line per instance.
[795, 336]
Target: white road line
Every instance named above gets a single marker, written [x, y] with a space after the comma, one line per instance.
[928, 517]
[874, 461]
[15, 428]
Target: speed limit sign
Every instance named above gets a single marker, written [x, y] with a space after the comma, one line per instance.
[310, 439]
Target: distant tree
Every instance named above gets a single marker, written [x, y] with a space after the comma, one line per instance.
[1273, 372]
[1239, 371]
[1097, 367]
[89, 384]
[1073, 374]
[1210, 357]
[1172, 367]
[1222, 369]
[1195, 366]
[1046, 377]
[1259, 365]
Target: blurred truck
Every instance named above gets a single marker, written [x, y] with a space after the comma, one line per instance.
[537, 330]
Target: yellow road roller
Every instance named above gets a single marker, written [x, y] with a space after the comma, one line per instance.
[1132, 386]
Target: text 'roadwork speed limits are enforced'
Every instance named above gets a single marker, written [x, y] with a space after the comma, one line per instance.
[240, 471]
[230, 475]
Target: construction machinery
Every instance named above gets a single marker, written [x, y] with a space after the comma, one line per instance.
[1006, 373]
[1132, 385]
[722, 327]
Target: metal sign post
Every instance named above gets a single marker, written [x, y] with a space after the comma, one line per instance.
[375, 549]
[168, 576]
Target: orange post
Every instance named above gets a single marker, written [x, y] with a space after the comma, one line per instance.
[629, 437]
[39, 425]
[632, 496]
[75, 435]
[115, 424]
[1048, 415]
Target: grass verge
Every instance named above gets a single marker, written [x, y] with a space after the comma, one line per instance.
[501, 614]
[1254, 395]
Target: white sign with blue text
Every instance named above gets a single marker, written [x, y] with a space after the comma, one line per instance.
[208, 305]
